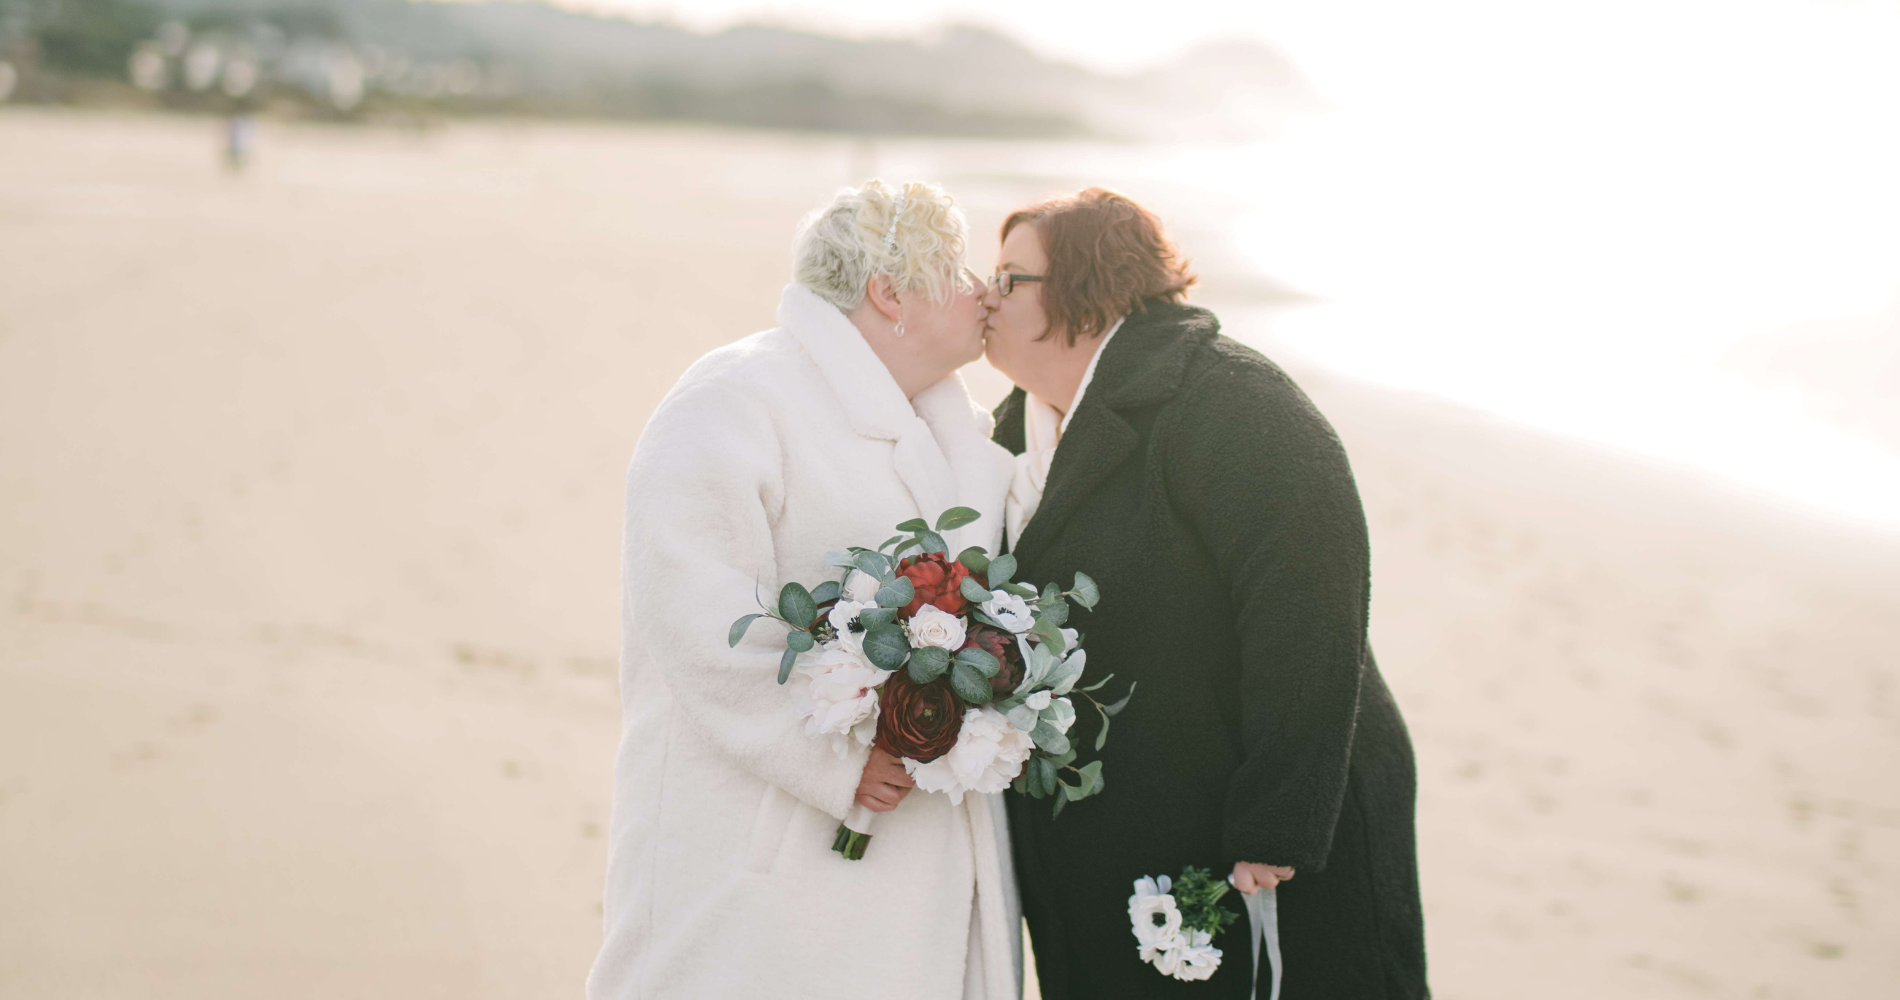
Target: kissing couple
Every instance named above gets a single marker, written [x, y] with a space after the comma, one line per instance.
[1185, 474]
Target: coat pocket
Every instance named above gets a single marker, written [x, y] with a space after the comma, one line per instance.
[769, 823]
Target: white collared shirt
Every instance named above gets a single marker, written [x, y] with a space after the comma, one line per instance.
[1043, 428]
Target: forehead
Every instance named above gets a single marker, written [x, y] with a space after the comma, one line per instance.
[1023, 247]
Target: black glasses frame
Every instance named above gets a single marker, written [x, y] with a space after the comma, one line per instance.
[1004, 282]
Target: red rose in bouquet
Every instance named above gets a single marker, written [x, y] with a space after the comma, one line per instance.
[938, 581]
[1001, 645]
[919, 721]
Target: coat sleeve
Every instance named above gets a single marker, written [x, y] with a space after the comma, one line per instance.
[1260, 477]
[703, 486]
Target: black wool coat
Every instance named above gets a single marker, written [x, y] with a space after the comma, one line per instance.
[1214, 507]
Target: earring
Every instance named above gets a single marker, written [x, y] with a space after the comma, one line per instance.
[900, 328]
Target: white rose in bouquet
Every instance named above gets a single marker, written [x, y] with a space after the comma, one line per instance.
[1009, 611]
[989, 754]
[842, 616]
[860, 587]
[836, 695]
[933, 626]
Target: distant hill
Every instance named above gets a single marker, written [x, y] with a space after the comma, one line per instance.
[522, 57]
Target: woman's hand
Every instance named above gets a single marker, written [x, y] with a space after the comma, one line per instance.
[884, 783]
[1250, 878]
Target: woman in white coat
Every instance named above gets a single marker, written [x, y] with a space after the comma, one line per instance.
[827, 431]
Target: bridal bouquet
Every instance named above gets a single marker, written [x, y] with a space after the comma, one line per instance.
[950, 665]
[1175, 922]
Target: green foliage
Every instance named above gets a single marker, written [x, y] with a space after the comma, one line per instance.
[796, 606]
[896, 593]
[928, 664]
[976, 560]
[785, 661]
[886, 646]
[1198, 894]
[738, 629]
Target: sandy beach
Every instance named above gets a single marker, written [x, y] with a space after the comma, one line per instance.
[309, 525]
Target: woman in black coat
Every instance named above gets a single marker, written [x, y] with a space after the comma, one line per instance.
[1214, 507]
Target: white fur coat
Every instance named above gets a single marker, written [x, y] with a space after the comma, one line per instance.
[721, 881]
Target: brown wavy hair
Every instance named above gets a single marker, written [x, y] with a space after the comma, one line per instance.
[1106, 256]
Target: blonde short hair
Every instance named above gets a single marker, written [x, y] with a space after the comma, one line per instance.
[915, 234]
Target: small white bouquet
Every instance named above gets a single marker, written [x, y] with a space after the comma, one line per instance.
[1175, 922]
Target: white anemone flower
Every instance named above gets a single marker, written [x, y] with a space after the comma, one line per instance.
[1198, 959]
[1009, 611]
[989, 754]
[836, 694]
[1156, 920]
[843, 617]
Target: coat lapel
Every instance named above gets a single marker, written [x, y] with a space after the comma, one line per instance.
[1141, 366]
[941, 449]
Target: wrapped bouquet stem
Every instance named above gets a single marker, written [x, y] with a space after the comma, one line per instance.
[965, 674]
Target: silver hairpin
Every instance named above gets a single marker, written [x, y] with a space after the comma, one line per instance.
[890, 235]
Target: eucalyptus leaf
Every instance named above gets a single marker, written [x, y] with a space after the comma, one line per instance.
[1115, 709]
[830, 590]
[1092, 771]
[886, 646]
[1049, 738]
[987, 620]
[1101, 738]
[980, 660]
[796, 606]
[928, 663]
[1097, 686]
[798, 640]
[1069, 671]
[956, 517]
[876, 564]
[1054, 608]
[1050, 632]
[914, 526]
[973, 591]
[970, 684]
[1045, 781]
[1026, 593]
[737, 632]
[896, 593]
[872, 618]
[1060, 713]
[1086, 592]
[933, 542]
[841, 558]
[785, 661]
[1063, 759]
[976, 559]
[1061, 800]
[888, 542]
[1025, 718]
[1000, 570]
[1021, 784]
[1073, 792]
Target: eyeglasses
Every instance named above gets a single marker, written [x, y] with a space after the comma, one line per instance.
[1004, 282]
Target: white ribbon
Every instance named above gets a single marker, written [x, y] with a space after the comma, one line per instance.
[859, 820]
[1263, 912]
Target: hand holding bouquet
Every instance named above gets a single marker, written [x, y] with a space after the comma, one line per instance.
[948, 664]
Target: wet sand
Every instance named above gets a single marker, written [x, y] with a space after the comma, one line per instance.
[311, 501]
